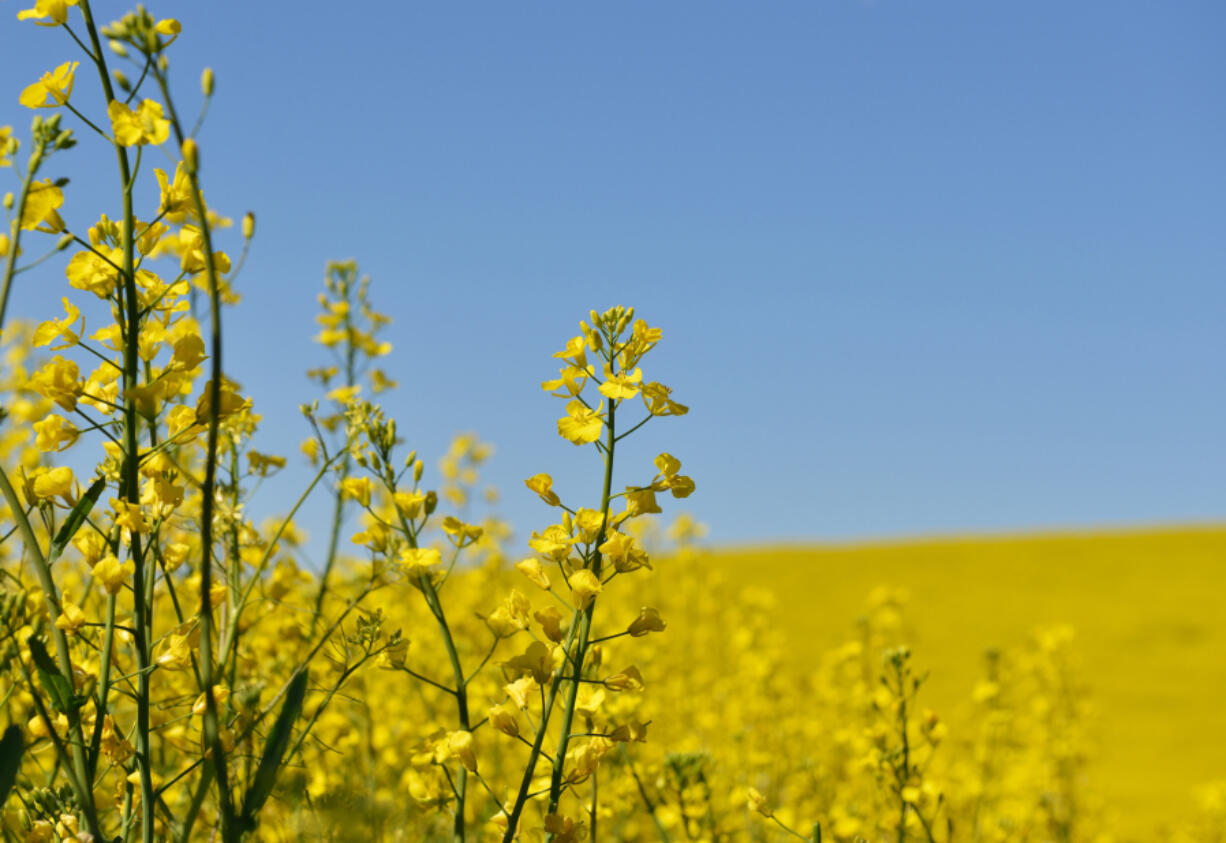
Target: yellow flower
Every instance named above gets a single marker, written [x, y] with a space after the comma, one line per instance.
[136, 128]
[52, 330]
[189, 352]
[580, 425]
[621, 385]
[584, 586]
[111, 574]
[550, 620]
[394, 654]
[358, 489]
[536, 661]
[55, 483]
[502, 718]
[628, 680]
[460, 533]
[177, 199]
[553, 542]
[54, 433]
[459, 745]
[656, 399]
[41, 203]
[668, 478]
[757, 802]
[531, 568]
[542, 484]
[344, 394]
[71, 617]
[418, 561]
[96, 273]
[129, 516]
[568, 384]
[231, 402]
[641, 501]
[520, 691]
[649, 620]
[56, 10]
[220, 694]
[575, 352]
[56, 85]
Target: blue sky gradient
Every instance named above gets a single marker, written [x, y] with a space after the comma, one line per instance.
[921, 267]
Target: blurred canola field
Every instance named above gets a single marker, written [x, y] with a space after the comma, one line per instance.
[1144, 607]
[170, 669]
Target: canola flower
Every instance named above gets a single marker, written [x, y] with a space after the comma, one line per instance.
[171, 670]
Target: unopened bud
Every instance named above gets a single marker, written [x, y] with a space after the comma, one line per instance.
[118, 48]
[206, 81]
[248, 225]
[191, 155]
[431, 503]
[419, 468]
[163, 63]
[64, 242]
[8, 201]
[121, 80]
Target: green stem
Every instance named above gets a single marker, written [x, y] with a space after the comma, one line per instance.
[338, 510]
[10, 265]
[585, 620]
[212, 736]
[80, 772]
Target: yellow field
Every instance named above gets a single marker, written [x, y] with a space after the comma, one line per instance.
[1146, 605]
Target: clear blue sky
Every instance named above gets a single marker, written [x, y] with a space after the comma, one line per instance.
[921, 267]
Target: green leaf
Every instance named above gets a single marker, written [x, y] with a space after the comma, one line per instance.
[11, 747]
[76, 518]
[55, 683]
[275, 746]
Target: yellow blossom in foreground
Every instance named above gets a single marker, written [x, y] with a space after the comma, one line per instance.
[71, 617]
[55, 483]
[55, 433]
[580, 425]
[649, 620]
[111, 574]
[55, 85]
[147, 124]
[584, 586]
[41, 203]
[56, 10]
[542, 484]
[532, 569]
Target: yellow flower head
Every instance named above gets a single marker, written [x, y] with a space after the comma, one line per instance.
[146, 125]
[55, 85]
[55, 10]
[580, 425]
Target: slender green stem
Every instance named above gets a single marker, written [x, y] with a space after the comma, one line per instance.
[130, 482]
[585, 619]
[80, 772]
[212, 735]
[10, 264]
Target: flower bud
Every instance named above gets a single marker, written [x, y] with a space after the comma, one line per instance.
[191, 155]
[119, 49]
[65, 241]
[121, 80]
[248, 225]
[206, 81]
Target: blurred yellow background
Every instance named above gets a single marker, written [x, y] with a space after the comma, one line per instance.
[1147, 607]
